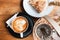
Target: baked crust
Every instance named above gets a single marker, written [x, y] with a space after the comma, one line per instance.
[37, 4]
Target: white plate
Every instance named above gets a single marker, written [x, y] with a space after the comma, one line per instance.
[32, 12]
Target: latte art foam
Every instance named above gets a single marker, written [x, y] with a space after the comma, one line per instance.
[20, 24]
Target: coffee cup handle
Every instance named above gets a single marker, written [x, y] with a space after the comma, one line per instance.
[21, 35]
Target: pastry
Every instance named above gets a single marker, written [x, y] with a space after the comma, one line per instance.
[37, 4]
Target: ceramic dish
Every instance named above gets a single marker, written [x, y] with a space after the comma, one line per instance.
[27, 32]
[32, 12]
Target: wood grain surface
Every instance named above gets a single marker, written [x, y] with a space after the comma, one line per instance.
[7, 9]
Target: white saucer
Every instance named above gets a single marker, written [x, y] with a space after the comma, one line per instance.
[32, 12]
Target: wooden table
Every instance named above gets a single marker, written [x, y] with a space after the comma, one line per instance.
[7, 9]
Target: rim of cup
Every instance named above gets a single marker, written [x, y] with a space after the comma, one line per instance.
[25, 20]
